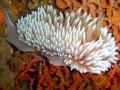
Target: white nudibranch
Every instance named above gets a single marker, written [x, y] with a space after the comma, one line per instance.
[87, 47]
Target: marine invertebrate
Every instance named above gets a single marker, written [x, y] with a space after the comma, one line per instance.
[115, 18]
[25, 74]
[110, 12]
[19, 61]
[94, 5]
[106, 22]
[71, 41]
[100, 79]
[61, 3]
[107, 3]
[116, 30]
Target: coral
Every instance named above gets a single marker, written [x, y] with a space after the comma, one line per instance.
[107, 3]
[87, 9]
[117, 4]
[106, 22]
[118, 56]
[106, 84]
[100, 79]
[118, 39]
[53, 77]
[110, 13]
[76, 3]
[61, 3]
[19, 61]
[23, 74]
[116, 30]
[111, 78]
[115, 18]
[51, 2]
[77, 78]
[94, 5]
[112, 72]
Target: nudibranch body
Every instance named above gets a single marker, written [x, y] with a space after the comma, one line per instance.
[71, 41]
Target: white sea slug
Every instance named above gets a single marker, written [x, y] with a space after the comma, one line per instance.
[71, 41]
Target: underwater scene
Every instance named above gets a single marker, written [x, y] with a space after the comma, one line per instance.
[59, 45]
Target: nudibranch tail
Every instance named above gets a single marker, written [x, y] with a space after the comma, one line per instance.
[13, 35]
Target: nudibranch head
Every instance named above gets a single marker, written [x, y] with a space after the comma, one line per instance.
[84, 46]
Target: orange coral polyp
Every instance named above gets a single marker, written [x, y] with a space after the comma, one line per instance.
[61, 4]
[106, 84]
[97, 14]
[100, 79]
[67, 72]
[110, 12]
[59, 73]
[118, 39]
[116, 18]
[77, 78]
[94, 5]
[106, 22]
[76, 3]
[116, 30]
[117, 4]
[107, 3]
[87, 9]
